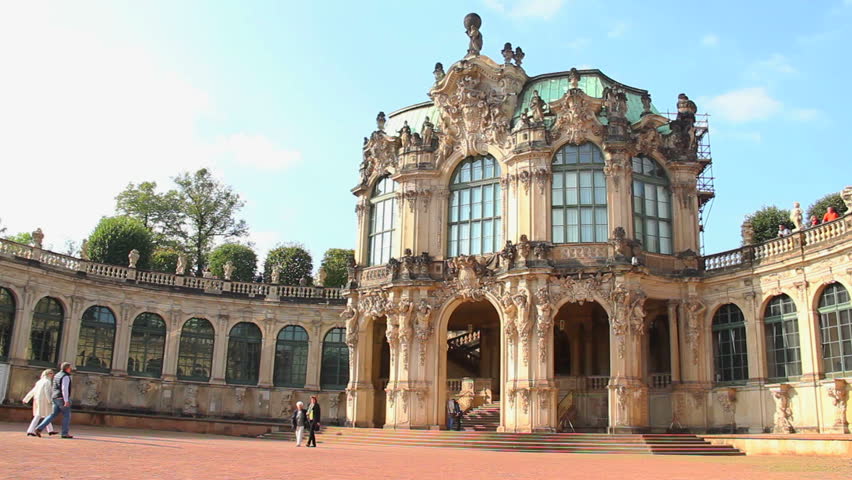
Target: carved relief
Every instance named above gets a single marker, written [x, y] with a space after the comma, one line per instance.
[628, 314]
[405, 308]
[839, 397]
[92, 397]
[544, 320]
[523, 322]
[471, 278]
[694, 315]
[423, 327]
[783, 410]
[350, 318]
[190, 400]
[577, 117]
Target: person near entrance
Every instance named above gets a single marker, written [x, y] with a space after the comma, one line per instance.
[300, 419]
[314, 417]
[453, 415]
[61, 395]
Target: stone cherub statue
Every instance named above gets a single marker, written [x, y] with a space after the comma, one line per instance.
[181, 265]
[472, 24]
[439, 72]
[380, 121]
[322, 275]
[84, 249]
[132, 258]
[275, 276]
[646, 104]
[796, 216]
[228, 269]
[508, 53]
[519, 56]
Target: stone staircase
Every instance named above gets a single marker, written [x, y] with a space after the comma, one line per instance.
[662, 444]
[485, 418]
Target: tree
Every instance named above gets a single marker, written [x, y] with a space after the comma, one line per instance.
[295, 263]
[114, 238]
[24, 237]
[334, 262]
[141, 202]
[201, 210]
[242, 256]
[766, 220]
[818, 208]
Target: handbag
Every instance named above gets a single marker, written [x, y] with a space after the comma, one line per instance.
[317, 427]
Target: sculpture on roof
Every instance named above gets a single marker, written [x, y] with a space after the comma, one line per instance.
[508, 53]
[537, 108]
[574, 78]
[796, 216]
[682, 144]
[519, 56]
[427, 132]
[405, 135]
[380, 121]
[686, 108]
[646, 103]
[439, 72]
[472, 24]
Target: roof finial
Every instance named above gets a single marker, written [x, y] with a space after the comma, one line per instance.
[472, 23]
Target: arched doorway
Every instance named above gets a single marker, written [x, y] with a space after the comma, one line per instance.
[472, 359]
[380, 370]
[581, 365]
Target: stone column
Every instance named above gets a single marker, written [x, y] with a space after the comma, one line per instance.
[220, 354]
[170, 355]
[19, 350]
[685, 206]
[360, 392]
[121, 346]
[628, 392]
[619, 191]
[267, 356]
[312, 375]
[71, 331]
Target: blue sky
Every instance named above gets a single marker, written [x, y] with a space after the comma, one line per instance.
[276, 96]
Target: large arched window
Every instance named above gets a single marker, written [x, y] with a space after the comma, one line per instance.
[195, 360]
[291, 357]
[382, 220]
[147, 344]
[729, 344]
[835, 325]
[7, 320]
[652, 206]
[578, 210]
[335, 360]
[782, 338]
[475, 208]
[244, 344]
[46, 332]
[97, 337]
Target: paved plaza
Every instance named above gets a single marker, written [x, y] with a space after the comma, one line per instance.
[106, 453]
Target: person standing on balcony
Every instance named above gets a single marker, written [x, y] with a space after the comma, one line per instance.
[300, 419]
[830, 214]
[61, 395]
[314, 417]
[783, 231]
[814, 221]
[42, 404]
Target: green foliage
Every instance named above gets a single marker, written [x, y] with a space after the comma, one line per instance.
[115, 237]
[24, 237]
[766, 220]
[164, 259]
[242, 256]
[295, 263]
[141, 202]
[334, 262]
[818, 208]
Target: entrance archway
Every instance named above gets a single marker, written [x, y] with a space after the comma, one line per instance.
[472, 357]
[581, 365]
[380, 370]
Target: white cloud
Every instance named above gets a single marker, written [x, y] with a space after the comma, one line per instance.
[618, 29]
[710, 40]
[542, 9]
[578, 43]
[743, 105]
[256, 151]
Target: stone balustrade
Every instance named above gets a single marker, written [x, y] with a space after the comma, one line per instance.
[143, 277]
[661, 380]
[597, 382]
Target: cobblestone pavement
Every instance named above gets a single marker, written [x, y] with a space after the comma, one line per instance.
[105, 453]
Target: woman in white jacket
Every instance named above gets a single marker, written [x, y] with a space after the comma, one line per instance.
[42, 404]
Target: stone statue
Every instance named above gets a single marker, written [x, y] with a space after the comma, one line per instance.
[796, 216]
[472, 24]
[537, 108]
[303, 282]
[428, 132]
[181, 265]
[846, 195]
[747, 231]
[686, 108]
[439, 72]
[38, 238]
[508, 53]
[405, 135]
[646, 103]
[84, 249]
[228, 270]
[574, 78]
[132, 258]
[519, 56]
[526, 122]
[275, 276]
[380, 121]
[321, 277]
[206, 273]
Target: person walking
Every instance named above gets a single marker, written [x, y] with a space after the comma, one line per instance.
[314, 415]
[61, 396]
[42, 404]
[300, 419]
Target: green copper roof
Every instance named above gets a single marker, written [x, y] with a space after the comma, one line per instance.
[415, 115]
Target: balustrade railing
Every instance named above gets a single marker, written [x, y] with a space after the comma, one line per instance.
[454, 385]
[661, 380]
[210, 285]
[597, 382]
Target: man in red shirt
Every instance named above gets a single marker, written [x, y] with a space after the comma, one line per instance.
[830, 215]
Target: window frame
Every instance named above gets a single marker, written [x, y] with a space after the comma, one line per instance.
[384, 199]
[247, 349]
[8, 308]
[464, 186]
[148, 333]
[737, 336]
[576, 162]
[46, 318]
[841, 308]
[102, 327]
[196, 338]
[298, 365]
[659, 182]
[782, 325]
[341, 369]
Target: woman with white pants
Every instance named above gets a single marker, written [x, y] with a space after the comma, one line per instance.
[300, 419]
[42, 404]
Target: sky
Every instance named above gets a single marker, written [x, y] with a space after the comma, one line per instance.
[276, 96]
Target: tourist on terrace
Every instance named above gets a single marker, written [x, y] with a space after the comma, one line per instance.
[814, 221]
[61, 395]
[314, 416]
[830, 214]
[42, 406]
[300, 419]
[783, 231]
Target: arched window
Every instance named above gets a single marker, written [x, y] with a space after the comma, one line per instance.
[335, 360]
[729, 344]
[147, 345]
[195, 360]
[382, 220]
[835, 325]
[475, 208]
[291, 357]
[97, 337]
[7, 320]
[578, 210]
[652, 206]
[244, 343]
[782, 338]
[46, 332]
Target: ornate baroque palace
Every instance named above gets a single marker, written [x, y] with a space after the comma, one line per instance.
[527, 245]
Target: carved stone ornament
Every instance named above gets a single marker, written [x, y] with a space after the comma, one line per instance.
[523, 322]
[423, 327]
[92, 397]
[405, 310]
[577, 117]
[846, 195]
[839, 395]
[628, 314]
[472, 24]
[544, 320]
[476, 99]
[727, 398]
[470, 277]
[190, 400]
[349, 315]
[132, 258]
[694, 310]
[510, 313]
[783, 410]
[582, 289]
